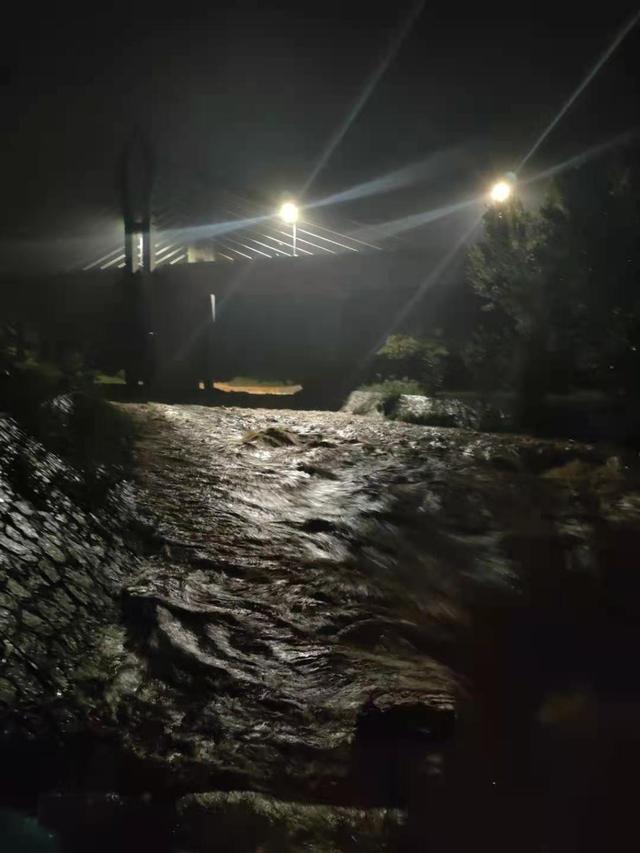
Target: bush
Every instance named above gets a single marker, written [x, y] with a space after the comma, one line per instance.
[421, 361]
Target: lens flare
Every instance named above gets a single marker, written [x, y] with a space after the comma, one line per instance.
[335, 140]
[584, 156]
[624, 32]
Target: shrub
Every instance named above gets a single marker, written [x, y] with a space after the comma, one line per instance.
[418, 360]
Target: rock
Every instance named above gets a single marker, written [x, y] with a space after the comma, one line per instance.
[6, 601]
[272, 437]
[429, 411]
[48, 570]
[33, 622]
[16, 589]
[7, 621]
[12, 546]
[25, 527]
[242, 821]
[53, 551]
[7, 691]
[52, 611]
[364, 403]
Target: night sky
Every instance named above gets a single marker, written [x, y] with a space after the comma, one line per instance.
[246, 95]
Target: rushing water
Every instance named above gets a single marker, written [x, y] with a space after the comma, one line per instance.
[320, 567]
[352, 613]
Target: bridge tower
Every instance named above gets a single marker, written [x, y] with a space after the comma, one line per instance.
[136, 176]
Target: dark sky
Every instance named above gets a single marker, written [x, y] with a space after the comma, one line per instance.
[247, 94]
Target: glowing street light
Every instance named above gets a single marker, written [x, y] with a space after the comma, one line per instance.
[289, 213]
[501, 191]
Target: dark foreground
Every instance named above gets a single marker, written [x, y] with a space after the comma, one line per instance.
[425, 638]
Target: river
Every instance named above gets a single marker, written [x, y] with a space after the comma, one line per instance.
[295, 631]
[348, 610]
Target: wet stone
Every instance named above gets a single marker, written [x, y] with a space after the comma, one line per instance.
[12, 546]
[52, 550]
[7, 691]
[7, 621]
[77, 593]
[34, 650]
[13, 533]
[7, 601]
[62, 600]
[74, 551]
[81, 580]
[48, 571]
[245, 820]
[33, 622]
[23, 526]
[16, 589]
[51, 614]
[24, 508]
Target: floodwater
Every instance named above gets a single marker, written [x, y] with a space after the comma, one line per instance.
[348, 610]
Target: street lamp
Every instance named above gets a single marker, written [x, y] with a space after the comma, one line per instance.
[503, 189]
[289, 214]
[501, 192]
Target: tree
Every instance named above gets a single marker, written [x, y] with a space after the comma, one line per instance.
[505, 270]
[561, 286]
[592, 255]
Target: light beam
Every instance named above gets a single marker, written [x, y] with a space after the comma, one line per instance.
[399, 178]
[624, 32]
[584, 156]
[356, 109]
[407, 223]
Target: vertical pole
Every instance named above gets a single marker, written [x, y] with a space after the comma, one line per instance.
[295, 234]
[131, 246]
[148, 251]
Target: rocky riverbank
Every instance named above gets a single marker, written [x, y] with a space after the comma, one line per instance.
[62, 566]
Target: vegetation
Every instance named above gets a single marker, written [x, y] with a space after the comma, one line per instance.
[560, 288]
[556, 334]
[419, 363]
[110, 378]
